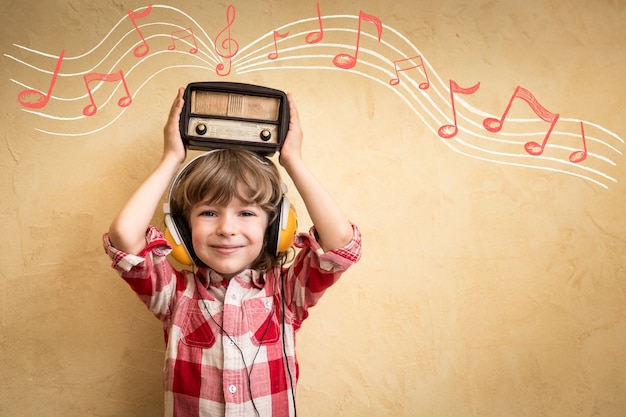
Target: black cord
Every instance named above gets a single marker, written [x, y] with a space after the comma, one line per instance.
[248, 372]
[293, 394]
[286, 358]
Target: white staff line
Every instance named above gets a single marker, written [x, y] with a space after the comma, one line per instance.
[248, 62]
[123, 110]
[520, 155]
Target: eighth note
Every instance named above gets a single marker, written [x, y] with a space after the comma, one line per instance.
[533, 148]
[347, 61]
[397, 67]
[41, 98]
[125, 101]
[449, 131]
[142, 49]
[274, 55]
[185, 33]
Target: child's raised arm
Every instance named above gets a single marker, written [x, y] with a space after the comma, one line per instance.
[334, 230]
[127, 232]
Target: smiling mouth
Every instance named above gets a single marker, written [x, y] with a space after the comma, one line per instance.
[226, 250]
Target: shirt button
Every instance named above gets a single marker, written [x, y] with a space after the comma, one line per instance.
[232, 389]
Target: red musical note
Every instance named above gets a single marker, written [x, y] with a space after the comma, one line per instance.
[41, 99]
[395, 81]
[125, 101]
[347, 61]
[449, 131]
[580, 155]
[533, 148]
[227, 44]
[274, 55]
[186, 33]
[142, 49]
[317, 35]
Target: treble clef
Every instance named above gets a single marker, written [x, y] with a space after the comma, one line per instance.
[228, 45]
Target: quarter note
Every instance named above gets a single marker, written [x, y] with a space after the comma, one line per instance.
[533, 148]
[125, 101]
[580, 155]
[41, 99]
[347, 61]
[183, 34]
[449, 131]
[142, 49]
[318, 35]
[399, 67]
[229, 45]
[274, 55]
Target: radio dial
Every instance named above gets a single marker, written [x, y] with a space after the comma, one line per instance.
[265, 135]
[201, 129]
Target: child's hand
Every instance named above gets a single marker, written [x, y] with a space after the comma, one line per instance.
[172, 142]
[291, 151]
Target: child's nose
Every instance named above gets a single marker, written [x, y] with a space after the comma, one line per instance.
[226, 225]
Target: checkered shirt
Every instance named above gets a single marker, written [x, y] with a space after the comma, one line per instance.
[230, 344]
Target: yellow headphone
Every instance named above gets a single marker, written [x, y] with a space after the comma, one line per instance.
[280, 233]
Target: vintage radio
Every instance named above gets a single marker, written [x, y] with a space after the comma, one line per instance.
[234, 115]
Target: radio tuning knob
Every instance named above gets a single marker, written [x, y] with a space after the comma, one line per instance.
[201, 129]
[265, 135]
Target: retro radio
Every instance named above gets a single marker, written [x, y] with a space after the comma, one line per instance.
[234, 115]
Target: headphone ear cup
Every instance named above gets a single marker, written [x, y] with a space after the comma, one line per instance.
[283, 229]
[178, 235]
[286, 235]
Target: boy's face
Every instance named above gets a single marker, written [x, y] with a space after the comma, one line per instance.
[228, 239]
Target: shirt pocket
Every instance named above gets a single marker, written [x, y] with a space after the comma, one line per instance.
[197, 330]
[261, 316]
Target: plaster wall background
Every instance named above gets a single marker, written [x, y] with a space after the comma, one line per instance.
[486, 288]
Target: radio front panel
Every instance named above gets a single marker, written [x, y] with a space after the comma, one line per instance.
[243, 131]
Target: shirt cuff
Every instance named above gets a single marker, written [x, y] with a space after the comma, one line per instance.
[155, 242]
[336, 259]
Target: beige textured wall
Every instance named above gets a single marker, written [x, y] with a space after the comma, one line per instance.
[492, 282]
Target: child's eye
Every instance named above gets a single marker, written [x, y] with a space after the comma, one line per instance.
[248, 213]
[208, 213]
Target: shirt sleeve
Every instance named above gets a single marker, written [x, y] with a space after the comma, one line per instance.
[314, 271]
[149, 274]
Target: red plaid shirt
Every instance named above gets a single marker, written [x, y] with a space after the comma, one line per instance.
[230, 346]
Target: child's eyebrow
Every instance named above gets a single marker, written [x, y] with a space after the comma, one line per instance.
[238, 201]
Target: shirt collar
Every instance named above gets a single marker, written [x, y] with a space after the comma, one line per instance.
[250, 277]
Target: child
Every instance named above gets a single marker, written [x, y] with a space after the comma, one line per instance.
[230, 324]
